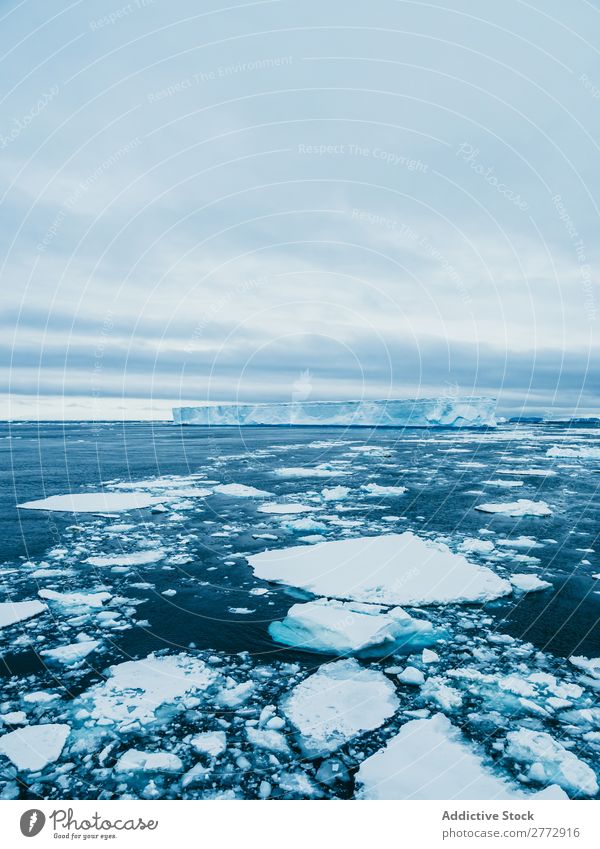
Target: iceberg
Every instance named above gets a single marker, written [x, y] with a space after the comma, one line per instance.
[337, 627]
[393, 569]
[426, 412]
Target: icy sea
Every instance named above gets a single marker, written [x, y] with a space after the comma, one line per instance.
[163, 636]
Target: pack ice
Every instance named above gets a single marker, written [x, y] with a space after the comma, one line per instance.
[393, 569]
[426, 412]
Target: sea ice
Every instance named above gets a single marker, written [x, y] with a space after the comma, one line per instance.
[136, 689]
[338, 702]
[549, 762]
[18, 611]
[135, 761]
[134, 558]
[86, 600]
[239, 490]
[337, 627]
[430, 759]
[580, 451]
[72, 653]
[291, 507]
[335, 493]
[212, 743]
[529, 583]
[376, 490]
[34, 746]
[93, 502]
[589, 665]
[314, 472]
[264, 738]
[521, 507]
[393, 569]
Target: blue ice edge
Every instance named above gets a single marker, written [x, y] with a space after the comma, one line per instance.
[446, 412]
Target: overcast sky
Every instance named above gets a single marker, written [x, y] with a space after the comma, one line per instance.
[294, 198]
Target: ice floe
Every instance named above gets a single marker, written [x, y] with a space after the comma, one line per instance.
[529, 583]
[521, 507]
[548, 762]
[134, 760]
[93, 502]
[18, 611]
[376, 490]
[35, 746]
[337, 627]
[393, 569]
[339, 702]
[71, 653]
[583, 452]
[239, 490]
[134, 558]
[430, 759]
[291, 507]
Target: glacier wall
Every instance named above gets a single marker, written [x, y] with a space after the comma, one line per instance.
[427, 412]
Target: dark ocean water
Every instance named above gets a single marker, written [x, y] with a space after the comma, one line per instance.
[438, 468]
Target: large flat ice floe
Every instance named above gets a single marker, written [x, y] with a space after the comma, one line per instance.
[93, 502]
[18, 611]
[430, 759]
[339, 702]
[338, 627]
[521, 507]
[427, 412]
[34, 746]
[394, 569]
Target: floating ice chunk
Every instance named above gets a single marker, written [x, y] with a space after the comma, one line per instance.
[89, 600]
[315, 472]
[411, 675]
[337, 627]
[376, 490]
[335, 493]
[239, 490]
[430, 759]
[477, 546]
[522, 507]
[424, 412]
[136, 689]
[393, 569]
[15, 717]
[235, 695]
[529, 583]
[436, 691]
[135, 761]
[589, 665]
[134, 558]
[93, 502]
[583, 452]
[18, 611]
[340, 701]
[72, 653]
[519, 542]
[428, 656]
[263, 738]
[505, 484]
[34, 746]
[40, 697]
[291, 507]
[212, 743]
[549, 762]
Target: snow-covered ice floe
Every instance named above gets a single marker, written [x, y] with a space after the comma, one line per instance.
[522, 507]
[93, 502]
[393, 569]
[580, 452]
[33, 747]
[430, 759]
[340, 701]
[426, 412]
[337, 627]
[548, 762]
[18, 611]
[240, 490]
[529, 583]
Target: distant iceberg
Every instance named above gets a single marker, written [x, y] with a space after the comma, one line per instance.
[427, 412]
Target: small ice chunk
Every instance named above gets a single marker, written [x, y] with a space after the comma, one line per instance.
[338, 702]
[90, 600]
[477, 546]
[376, 490]
[18, 611]
[429, 656]
[411, 675]
[211, 743]
[589, 665]
[335, 493]
[34, 746]
[263, 738]
[134, 558]
[521, 507]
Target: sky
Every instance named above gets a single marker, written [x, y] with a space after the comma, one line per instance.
[287, 199]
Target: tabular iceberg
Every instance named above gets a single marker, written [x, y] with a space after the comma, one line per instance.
[427, 412]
